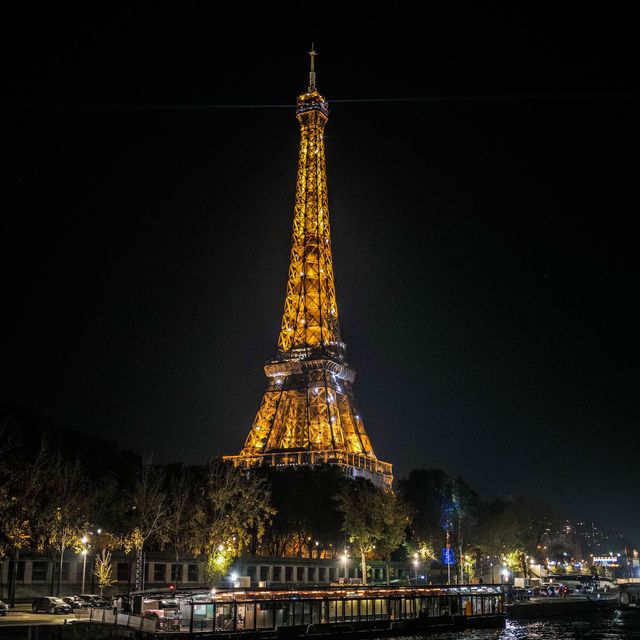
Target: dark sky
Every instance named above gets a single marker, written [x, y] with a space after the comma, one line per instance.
[484, 246]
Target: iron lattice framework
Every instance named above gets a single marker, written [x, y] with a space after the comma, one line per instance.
[308, 413]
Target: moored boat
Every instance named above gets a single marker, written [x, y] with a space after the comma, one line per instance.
[571, 604]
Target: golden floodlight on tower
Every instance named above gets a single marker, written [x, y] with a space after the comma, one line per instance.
[308, 414]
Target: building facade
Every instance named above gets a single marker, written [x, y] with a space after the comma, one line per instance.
[37, 575]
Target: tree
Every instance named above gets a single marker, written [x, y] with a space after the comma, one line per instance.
[445, 508]
[177, 529]
[24, 486]
[111, 508]
[103, 570]
[288, 525]
[395, 517]
[149, 507]
[427, 491]
[360, 503]
[233, 508]
[307, 518]
[513, 531]
[65, 516]
[464, 508]
[6, 472]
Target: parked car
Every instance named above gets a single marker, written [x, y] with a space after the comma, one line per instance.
[76, 602]
[50, 604]
[4, 608]
[95, 600]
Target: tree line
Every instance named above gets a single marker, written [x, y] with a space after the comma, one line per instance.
[49, 499]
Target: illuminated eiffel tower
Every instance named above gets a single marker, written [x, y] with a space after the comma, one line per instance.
[308, 413]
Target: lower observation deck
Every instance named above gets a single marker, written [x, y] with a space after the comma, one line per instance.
[353, 464]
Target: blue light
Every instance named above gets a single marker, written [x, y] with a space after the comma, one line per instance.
[448, 556]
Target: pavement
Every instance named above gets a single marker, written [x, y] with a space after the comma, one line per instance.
[21, 614]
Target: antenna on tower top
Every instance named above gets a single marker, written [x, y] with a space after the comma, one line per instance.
[312, 73]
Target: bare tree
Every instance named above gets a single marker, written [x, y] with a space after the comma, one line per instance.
[64, 518]
[149, 506]
[177, 529]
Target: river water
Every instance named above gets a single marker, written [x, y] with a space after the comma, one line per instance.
[618, 625]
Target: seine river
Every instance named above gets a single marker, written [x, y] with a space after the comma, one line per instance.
[614, 626]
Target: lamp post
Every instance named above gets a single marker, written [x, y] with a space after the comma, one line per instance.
[345, 557]
[84, 560]
[84, 567]
[415, 571]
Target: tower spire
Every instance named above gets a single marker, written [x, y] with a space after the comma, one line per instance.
[312, 72]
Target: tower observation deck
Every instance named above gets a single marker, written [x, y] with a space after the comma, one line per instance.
[308, 414]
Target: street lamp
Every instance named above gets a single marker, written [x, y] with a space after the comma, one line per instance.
[415, 570]
[84, 566]
[345, 557]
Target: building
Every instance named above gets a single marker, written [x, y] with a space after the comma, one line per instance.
[37, 576]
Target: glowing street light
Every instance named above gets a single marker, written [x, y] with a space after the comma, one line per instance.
[84, 566]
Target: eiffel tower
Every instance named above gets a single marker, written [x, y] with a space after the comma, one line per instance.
[308, 414]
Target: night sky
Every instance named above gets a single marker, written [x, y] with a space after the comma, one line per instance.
[484, 247]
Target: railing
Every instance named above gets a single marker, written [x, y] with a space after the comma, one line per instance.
[333, 456]
[97, 615]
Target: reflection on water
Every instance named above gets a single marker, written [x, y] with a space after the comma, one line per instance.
[620, 625]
